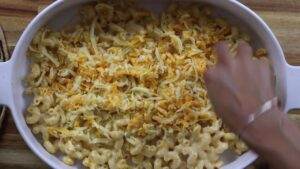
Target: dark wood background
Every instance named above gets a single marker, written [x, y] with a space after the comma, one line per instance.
[283, 16]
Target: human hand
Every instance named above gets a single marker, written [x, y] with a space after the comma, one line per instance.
[238, 85]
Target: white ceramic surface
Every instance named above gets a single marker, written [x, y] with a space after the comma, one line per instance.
[62, 12]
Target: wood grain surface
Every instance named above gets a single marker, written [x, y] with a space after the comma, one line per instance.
[283, 16]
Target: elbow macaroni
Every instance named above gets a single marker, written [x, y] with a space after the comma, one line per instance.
[124, 88]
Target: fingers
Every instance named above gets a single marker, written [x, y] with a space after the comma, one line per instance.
[208, 75]
[244, 52]
[212, 86]
[265, 66]
[267, 74]
[265, 62]
[223, 54]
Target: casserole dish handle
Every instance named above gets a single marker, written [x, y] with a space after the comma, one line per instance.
[5, 83]
[293, 87]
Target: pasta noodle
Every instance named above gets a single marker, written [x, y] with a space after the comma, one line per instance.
[124, 88]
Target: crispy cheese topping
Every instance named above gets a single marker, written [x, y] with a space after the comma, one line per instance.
[124, 88]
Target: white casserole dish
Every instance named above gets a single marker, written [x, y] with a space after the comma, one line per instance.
[62, 12]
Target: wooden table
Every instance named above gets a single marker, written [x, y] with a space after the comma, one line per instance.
[283, 16]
